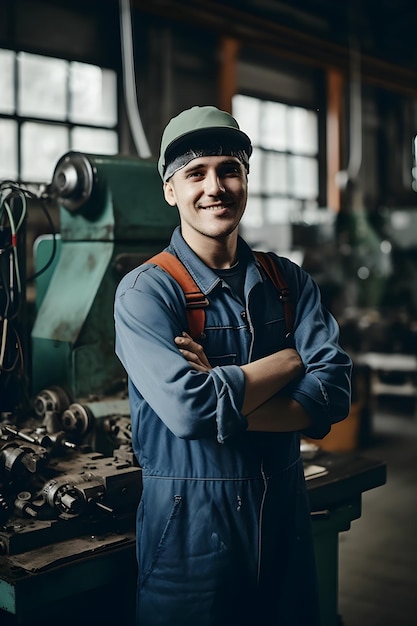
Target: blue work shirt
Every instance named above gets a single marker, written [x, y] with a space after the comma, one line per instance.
[191, 439]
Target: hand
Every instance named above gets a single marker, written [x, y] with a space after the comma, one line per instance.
[193, 353]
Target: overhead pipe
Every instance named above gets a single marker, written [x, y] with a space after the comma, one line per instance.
[129, 80]
[351, 173]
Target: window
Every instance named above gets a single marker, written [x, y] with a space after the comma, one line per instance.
[49, 106]
[284, 169]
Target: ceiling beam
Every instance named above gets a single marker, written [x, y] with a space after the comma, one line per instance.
[263, 34]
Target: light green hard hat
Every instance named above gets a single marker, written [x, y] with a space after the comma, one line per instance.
[193, 124]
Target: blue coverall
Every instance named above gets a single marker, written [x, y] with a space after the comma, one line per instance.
[223, 525]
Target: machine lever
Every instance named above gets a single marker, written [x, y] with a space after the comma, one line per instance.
[316, 515]
[20, 435]
[104, 507]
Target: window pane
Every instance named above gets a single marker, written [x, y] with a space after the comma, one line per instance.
[303, 131]
[280, 210]
[274, 126]
[283, 178]
[94, 140]
[42, 87]
[304, 176]
[93, 95]
[255, 172]
[252, 218]
[8, 149]
[42, 146]
[7, 104]
[310, 210]
[248, 113]
[276, 173]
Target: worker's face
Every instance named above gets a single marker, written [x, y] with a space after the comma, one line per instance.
[211, 194]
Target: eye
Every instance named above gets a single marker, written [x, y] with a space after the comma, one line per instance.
[231, 170]
[195, 174]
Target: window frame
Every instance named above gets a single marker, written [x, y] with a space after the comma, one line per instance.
[65, 123]
[255, 233]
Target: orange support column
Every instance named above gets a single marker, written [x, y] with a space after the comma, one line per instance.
[229, 49]
[333, 134]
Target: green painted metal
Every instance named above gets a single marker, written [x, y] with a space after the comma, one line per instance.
[43, 251]
[73, 288]
[52, 592]
[78, 336]
[127, 204]
[73, 333]
[326, 545]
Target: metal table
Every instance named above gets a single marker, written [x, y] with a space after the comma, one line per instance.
[91, 580]
[336, 500]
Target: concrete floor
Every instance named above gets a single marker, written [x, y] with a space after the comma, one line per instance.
[378, 555]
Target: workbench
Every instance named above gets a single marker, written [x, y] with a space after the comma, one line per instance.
[392, 374]
[336, 500]
[92, 581]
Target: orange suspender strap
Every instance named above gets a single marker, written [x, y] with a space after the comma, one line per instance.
[195, 300]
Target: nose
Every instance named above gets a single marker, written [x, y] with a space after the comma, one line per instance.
[214, 183]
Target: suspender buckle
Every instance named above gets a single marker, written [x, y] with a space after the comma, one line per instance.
[195, 300]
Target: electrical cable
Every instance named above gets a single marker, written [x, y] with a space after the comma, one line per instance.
[11, 285]
[14, 266]
[11, 187]
[3, 342]
[13, 213]
[19, 357]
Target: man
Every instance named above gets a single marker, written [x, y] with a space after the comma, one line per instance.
[223, 526]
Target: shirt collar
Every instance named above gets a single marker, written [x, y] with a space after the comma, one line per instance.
[205, 278]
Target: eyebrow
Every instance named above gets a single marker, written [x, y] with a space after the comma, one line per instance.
[190, 167]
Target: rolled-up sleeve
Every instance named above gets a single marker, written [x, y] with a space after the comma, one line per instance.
[149, 314]
[325, 389]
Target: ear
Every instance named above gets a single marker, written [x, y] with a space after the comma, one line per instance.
[169, 193]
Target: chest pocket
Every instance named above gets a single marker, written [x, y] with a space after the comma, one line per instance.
[226, 337]
[275, 335]
[271, 332]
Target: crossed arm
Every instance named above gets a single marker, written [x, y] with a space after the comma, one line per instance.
[264, 407]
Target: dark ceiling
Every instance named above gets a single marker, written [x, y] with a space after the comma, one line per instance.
[386, 29]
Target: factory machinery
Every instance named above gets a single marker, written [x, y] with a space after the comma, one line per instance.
[67, 470]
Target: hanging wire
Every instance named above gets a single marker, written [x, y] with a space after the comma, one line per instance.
[13, 214]
[13, 211]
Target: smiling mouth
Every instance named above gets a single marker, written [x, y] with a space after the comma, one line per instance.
[215, 207]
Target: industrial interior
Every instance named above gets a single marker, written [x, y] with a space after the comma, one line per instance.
[328, 93]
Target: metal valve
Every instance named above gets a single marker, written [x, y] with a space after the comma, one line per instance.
[76, 419]
[73, 181]
[51, 400]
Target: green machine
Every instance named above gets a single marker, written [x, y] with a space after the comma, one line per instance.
[69, 482]
[113, 216]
